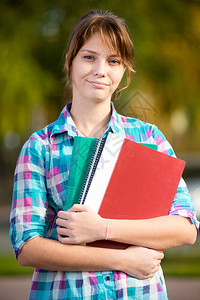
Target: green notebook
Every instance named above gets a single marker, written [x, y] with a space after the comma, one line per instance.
[82, 159]
[85, 156]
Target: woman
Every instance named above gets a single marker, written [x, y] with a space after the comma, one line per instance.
[44, 236]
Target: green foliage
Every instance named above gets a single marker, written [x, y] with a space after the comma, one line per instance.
[33, 37]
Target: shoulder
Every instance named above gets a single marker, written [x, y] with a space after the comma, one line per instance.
[133, 122]
[137, 126]
[43, 136]
[145, 132]
[38, 142]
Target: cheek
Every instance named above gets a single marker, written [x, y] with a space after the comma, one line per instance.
[117, 77]
[80, 72]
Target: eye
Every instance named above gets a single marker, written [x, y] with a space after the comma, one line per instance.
[114, 61]
[89, 57]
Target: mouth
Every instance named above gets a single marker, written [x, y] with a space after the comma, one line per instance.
[98, 84]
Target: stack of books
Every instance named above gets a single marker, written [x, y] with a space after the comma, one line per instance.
[122, 179]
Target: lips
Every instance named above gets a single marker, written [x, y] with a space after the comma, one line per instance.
[98, 84]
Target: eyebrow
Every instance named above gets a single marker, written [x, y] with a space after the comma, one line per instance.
[94, 52]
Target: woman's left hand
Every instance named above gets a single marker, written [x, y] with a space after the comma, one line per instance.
[80, 224]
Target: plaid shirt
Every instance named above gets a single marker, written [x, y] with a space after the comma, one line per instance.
[39, 193]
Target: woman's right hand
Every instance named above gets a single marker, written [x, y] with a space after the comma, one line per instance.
[141, 262]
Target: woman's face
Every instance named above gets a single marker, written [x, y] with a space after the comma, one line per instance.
[96, 71]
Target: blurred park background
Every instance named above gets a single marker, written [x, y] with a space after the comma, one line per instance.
[165, 88]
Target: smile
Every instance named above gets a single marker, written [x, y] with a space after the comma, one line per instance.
[98, 84]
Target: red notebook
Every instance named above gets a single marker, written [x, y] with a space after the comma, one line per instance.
[132, 182]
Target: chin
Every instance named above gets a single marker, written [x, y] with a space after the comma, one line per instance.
[101, 99]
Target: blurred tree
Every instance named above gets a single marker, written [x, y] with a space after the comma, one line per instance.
[24, 82]
[33, 37]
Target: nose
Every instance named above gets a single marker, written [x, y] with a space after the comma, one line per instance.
[100, 69]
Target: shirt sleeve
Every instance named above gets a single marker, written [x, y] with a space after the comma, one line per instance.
[182, 204]
[29, 206]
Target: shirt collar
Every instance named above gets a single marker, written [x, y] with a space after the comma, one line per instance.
[116, 124]
[65, 123]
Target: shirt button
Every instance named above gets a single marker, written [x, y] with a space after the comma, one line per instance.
[107, 277]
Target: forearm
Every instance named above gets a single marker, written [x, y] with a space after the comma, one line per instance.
[48, 254]
[157, 233]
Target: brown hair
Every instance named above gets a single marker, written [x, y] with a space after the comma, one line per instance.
[114, 33]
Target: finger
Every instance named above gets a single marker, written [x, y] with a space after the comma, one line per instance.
[156, 269]
[62, 222]
[63, 240]
[78, 208]
[63, 231]
[64, 214]
[149, 276]
[152, 272]
[162, 255]
[61, 214]
[158, 263]
[66, 240]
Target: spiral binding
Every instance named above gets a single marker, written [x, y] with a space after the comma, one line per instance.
[93, 165]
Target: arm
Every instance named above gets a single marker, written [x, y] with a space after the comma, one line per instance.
[157, 233]
[174, 230]
[32, 219]
[53, 255]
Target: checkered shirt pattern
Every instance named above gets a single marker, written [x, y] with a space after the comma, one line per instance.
[39, 193]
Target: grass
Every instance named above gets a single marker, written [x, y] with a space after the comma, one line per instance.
[183, 262]
[181, 265]
[10, 267]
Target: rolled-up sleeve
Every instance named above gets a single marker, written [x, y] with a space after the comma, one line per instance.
[182, 204]
[29, 205]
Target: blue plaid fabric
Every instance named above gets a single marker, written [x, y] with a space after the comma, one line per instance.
[39, 193]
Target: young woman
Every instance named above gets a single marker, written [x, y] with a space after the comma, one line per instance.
[44, 236]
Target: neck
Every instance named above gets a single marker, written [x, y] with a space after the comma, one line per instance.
[90, 118]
